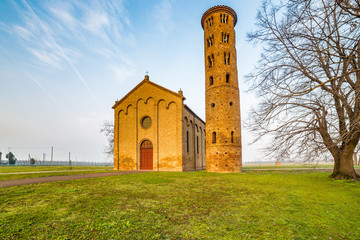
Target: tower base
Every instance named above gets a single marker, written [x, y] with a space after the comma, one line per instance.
[226, 161]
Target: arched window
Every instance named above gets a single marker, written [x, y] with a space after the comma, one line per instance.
[214, 137]
[227, 58]
[209, 21]
[187, 141]
[225, 37]
[224, 18]
[232, 137]
[197, 144]
[210, 40]
[211, 60]
[211, 80]
[227, 78]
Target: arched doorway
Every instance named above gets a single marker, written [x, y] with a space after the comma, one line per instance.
[146, 155]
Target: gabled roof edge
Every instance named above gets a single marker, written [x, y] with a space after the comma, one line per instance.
[146, 80]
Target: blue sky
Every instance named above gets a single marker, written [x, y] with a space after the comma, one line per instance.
[64, 63]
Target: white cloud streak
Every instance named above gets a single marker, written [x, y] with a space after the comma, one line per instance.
[163, 14]
[57, 34]
[121, 73]
[57, 49]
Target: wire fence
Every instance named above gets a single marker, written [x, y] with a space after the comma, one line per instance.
[272, 162]
[58, 163]
[51, 156]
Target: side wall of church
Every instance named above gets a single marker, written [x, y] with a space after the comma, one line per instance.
[165, 131]
[193, 142]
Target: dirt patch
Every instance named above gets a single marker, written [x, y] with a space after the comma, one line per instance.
[27, 181]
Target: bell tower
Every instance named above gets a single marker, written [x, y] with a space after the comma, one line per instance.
[223, 123]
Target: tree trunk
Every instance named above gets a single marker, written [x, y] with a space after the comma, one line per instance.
[343, 165]
[355, 159]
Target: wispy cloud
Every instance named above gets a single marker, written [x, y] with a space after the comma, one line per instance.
[57, 50]
[59, 34]
[121, 73]
[163, 14]
[93, 22]
[23, 32]
[46, 57]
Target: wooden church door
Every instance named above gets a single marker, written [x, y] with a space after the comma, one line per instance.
[146, 155]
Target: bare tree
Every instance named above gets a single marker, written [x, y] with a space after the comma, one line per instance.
[308, 78]
[350, 6]
[108, 130]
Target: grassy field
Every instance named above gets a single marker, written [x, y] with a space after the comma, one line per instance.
[196, 205]
[21, 172]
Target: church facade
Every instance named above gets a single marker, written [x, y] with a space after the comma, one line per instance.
[155, 130]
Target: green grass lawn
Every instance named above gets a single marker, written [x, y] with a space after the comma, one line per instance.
[43, 171]
[195, 205]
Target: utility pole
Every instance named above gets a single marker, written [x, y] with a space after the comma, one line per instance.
[44, 158]
[52, 154]
[69, 161]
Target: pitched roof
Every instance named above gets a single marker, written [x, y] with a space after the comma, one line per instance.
[146, 80]
[187, 107]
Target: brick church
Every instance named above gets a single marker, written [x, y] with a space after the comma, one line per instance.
[155, 130]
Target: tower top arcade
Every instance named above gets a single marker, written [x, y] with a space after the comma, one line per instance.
[217, 8]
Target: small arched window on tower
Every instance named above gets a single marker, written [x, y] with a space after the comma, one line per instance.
[209, 21]
[227, 78]
[214, 137]
[227, 58]
[224, 18]
[211, 60]
[210, 40]
[225, 37]
[232, 137]
[211, 80]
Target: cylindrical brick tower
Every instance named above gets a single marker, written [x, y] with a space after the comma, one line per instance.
[223, 124]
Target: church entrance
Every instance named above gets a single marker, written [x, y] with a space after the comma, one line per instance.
[146, 155]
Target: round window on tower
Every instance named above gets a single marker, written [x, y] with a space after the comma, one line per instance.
[146, 122]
